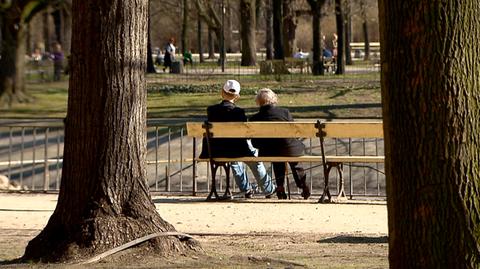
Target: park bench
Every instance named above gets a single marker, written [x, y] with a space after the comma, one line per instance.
[318, 129]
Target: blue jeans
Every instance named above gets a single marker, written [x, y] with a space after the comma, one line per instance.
[259, 172]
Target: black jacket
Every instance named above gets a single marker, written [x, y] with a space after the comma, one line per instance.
[226, 147]
[276, 146]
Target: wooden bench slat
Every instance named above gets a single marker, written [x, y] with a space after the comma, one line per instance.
[255, 129]
[346, 159]
[353, 129]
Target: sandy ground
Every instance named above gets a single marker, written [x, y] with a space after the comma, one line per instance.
[22, 216]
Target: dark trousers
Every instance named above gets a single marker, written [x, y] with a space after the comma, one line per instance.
[297, 171]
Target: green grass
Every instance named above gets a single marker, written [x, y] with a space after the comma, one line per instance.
[348, 96]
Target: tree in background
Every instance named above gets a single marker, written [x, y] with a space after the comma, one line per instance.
[248, 25]
[104, 200]
[316, 10]
[363, 14]
[340, 22]
[15, 16]
[185, 27]
[278, 52]
[430, 94]
[289, 26]
[268, 29]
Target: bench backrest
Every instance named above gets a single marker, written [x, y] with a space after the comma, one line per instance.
[295, 129]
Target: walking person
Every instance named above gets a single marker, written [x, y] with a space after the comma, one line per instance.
[169, 56]
[227, 111]
[267, 100]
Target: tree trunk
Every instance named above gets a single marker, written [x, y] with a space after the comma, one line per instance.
[67, 29]
[150, 64]
[12, 61]
[317, 59]
[348, 36]
[289, 28]
[430, 95]
[199, 40]
[228, 33]
[366, 39]
[185, 27]
[248, 23]
[277, 30]
[46, 29]
[211, 44]
[339, 19]
[268, 30]
[104, 199]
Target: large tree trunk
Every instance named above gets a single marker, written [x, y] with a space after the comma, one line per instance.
[317, 59]
[104, 199]
[289, 28]
[46, 29]
[277, 30]
[339, 19]
[67, 28]
[431, 106]
[248, 24]
[268, 29]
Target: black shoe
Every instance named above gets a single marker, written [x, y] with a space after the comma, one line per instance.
[249, 194]
[305, 192]
[281, 193]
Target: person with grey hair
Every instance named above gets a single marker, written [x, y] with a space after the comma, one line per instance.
[267, 100]
[227, 111]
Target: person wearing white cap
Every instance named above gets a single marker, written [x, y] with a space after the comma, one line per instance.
[227, 111]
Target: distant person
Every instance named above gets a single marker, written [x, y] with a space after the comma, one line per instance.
[159, 56]
[327, 53]
[187, 57]
[36, 55]
[299, 54]
[57, 57]
[266, 99]
[169, 56]
[227, 111]
[335, 45]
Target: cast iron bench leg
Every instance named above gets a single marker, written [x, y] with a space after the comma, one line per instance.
[326, 197]
[341, 187]
[228, 194]
[213, 188]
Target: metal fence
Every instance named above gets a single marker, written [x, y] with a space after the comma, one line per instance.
[31, 153]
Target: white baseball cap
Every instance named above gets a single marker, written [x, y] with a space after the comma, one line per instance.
[232, 86]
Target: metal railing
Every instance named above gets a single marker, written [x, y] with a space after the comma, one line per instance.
[31, 153]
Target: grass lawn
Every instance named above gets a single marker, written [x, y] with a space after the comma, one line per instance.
[348, 96]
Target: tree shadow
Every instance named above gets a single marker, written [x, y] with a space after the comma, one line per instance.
[348, 239]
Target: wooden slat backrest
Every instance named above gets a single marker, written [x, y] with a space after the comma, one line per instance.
[353, 129]
[287, 129]
[255, 129]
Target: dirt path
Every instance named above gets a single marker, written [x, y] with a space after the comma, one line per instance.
[241, 234]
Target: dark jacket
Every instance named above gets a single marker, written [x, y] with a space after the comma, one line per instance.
[226, 147]
[276, 146]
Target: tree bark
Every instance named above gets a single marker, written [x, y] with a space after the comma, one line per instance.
[12, 61]
[277, 29]
[199, 40]
[185, 27]
[430, 95]
[104, 199]
[366, 39]
[339, 19]
[317, 59]
[289, 28]
[348, 35]
[228, 33]
[67, 27]
[211, 44]
[46, 29]
[268, 29]
[248, 26]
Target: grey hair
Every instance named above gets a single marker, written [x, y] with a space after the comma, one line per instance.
[266, 96]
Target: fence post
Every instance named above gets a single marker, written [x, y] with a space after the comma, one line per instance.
[46, 173]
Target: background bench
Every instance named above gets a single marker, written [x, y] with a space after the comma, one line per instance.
[288, 130]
